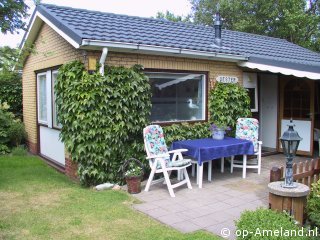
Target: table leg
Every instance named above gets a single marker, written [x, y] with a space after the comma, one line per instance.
[222, 164]
[244, 166]
[198, 170]
[200, 175]
[209, 171]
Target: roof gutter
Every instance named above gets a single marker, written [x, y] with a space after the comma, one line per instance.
[158, 49]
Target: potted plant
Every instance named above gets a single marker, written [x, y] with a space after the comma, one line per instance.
[218, 130]
[133, 173]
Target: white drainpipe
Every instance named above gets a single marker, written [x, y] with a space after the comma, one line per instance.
[102, 60]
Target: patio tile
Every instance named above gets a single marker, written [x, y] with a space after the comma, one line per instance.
[205, 221]
[144, 207]
[186, 226]
[235, 201]
[223, 229]
[194, 213]
[163, 202]
[222, 216]
[219, 206]
[175, 208]
[158, 212]
[172, 219]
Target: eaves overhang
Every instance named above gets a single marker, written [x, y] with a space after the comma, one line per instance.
[159, 50]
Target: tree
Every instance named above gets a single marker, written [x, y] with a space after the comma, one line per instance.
[12, 13]
[294, 20]
[9, 58]
[171, 17]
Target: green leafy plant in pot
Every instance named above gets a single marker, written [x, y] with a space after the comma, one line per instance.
[133, 174]
[218, 130]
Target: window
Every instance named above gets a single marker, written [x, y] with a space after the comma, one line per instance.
[56, 124]
[47, 109]
[251, 84]
[297, 103]
[177, 96]
[42, 98]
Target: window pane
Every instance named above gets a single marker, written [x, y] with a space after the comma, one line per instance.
[177, 97]
[42, 98]
[55, 120]
[252, 95]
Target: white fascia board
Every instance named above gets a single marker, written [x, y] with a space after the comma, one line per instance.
[62, 34]
[213, 55]
[47, 21]
[282, 70]
[163, 50]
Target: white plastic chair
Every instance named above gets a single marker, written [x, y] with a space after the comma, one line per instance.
[248, 128]
[160, 160]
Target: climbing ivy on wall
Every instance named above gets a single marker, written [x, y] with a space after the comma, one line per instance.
[227, 103]
[102, 118]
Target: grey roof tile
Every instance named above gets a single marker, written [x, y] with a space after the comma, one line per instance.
[82, 24]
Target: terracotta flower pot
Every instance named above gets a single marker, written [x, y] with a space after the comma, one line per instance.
[134, 184]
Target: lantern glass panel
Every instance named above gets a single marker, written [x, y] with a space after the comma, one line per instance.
[294, 147]
[285, 146]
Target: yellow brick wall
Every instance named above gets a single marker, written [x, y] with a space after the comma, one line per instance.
[214, 68]
[50, 50]
[53, 50]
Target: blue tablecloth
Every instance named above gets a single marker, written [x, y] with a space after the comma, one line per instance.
[208, 149]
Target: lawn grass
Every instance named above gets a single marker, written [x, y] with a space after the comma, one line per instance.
[36, 202]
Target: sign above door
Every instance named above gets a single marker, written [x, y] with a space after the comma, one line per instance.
[227, 79]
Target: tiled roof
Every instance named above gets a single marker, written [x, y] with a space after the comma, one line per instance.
[82, 24]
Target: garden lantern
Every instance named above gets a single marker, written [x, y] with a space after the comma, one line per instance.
[290, 141]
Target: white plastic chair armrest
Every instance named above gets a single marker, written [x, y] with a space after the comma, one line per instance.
[158, 156]
[178, 150]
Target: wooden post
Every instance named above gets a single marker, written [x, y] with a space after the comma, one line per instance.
[275, 174]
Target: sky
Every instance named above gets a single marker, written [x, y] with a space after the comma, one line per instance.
[141, 8]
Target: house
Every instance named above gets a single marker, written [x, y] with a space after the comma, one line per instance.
[182, 61]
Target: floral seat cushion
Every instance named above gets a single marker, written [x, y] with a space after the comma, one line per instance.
[156, 145]
[155, 142]
[248, 128]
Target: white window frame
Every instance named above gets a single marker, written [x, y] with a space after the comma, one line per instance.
[204, 93]
[48, 122]
[41, 121]
[250, 80]
[55, 123]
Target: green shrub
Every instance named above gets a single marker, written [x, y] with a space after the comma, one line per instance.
[4, 149]
[17, 133]
[267, 224]
[227, 103]
[12, 131]
[313, 204]
[19, 151]
[102, 118]
[11, 91]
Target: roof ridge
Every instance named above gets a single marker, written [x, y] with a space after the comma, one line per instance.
[129, 16]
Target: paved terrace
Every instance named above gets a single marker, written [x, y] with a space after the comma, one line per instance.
[217, 205]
